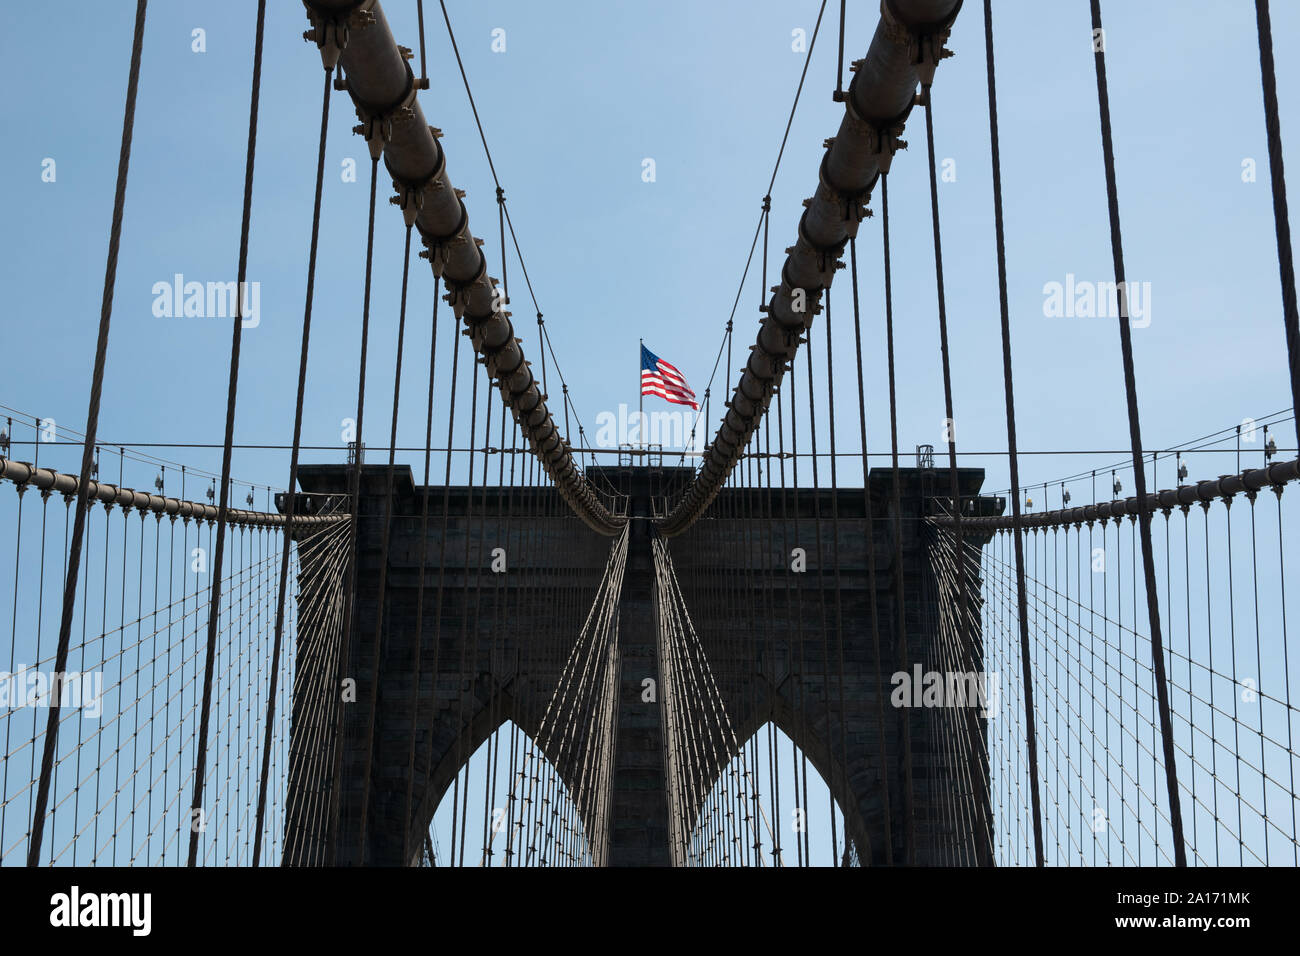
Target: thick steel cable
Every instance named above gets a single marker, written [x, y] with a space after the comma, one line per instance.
[1031, 741]
[92, 427]
[500, 591]
[1135, 432]
[1281, 218]
[868, 135]
[47, 480]
[376, 70]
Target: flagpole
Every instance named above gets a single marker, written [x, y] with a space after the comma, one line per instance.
[640, 394]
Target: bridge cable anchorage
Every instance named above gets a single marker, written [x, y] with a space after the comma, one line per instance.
[385, 539]
[875, 111]
[1281, 217]
[92, 427]
[1135, 432]
[1031, 740]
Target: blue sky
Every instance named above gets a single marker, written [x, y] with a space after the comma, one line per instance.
[582, 94]
[571, 108]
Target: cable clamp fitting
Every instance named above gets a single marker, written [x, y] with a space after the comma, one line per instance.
[330, 29]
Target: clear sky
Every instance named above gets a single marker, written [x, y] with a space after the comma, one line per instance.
[581, 95]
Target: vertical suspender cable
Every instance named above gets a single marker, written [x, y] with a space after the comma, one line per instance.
[386, 536]
[92, 426]
[297, 430]
[909, 823]
[1031, 741]
[423, 82]
[1135, 435]
[354, 495]
[196, 807]
[408, 822]
[888, 838]
[1281, 217]
[960, 559]
[214, 608]
[839, 65]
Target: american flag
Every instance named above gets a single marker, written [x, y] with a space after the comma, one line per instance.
[660, 378]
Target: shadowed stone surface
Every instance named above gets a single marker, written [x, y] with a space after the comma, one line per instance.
[774, 639]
